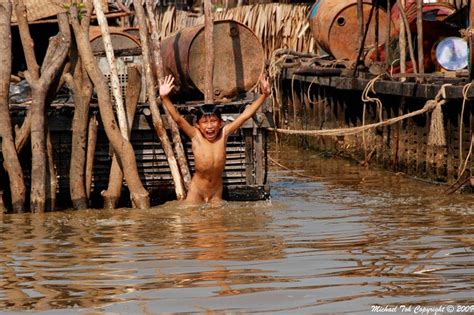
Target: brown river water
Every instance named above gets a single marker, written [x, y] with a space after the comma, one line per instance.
[342, 239]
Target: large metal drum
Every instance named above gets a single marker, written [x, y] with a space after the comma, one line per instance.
[239, 59]
[335, 27]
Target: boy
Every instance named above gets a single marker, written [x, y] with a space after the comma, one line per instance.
[209, 140]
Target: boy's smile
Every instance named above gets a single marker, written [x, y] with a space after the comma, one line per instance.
[210, 127]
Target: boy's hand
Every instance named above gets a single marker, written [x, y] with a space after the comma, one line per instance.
[264, 85]
[166, 85]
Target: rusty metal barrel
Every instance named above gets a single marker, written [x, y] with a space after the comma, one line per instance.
[334, 25]
[238, 63]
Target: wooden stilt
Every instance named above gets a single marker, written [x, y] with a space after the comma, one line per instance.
[91, 143]
[176, 137]
[151, 92]
[120, 145]
[112, 194]
[40, 81]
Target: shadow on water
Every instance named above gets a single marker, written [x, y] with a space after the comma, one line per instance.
[342, 241]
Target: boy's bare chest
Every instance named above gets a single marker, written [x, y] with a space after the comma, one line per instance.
[207, 155]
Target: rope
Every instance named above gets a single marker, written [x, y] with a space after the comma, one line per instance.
[430, 105]
[367, 99]
[293, 171]
[465, 89]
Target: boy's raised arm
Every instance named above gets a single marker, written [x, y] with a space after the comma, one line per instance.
[166, 86]
[252, 109]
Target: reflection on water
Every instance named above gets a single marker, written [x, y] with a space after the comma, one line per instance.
[351, 239]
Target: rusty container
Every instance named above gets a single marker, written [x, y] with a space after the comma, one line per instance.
[238, 59]
[335, 27]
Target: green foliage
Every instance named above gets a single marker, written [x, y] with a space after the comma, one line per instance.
[78, 5]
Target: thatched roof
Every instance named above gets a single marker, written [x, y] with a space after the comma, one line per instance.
[39, 9]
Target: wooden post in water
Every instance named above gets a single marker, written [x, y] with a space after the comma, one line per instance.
[91, 143]
[151, 92]
[176, 137]
[387, 39]
[40, 81]
[11, 162]
[114, 189]
[419, 27]
[121, 146]
[81, 86]
[209, 40]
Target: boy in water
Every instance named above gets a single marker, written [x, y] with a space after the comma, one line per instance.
[209, 140]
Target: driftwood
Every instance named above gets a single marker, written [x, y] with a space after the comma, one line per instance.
[209, 40]
[176, 137]
[91, 143]
[40, 82]
[121, 147]
[10, 156]
[112, 194]
[155, 113]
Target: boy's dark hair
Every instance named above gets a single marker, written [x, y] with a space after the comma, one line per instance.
[208, 110]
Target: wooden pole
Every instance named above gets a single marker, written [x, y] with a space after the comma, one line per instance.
[376, 29]
[419, 27]
[402, 41]
[121, 147]
[409, 41]
[209, 40]
[91, 143]
[360, 24]
[11, 162]
[151, 92]
[471, 40]
[40, 84]
[114, 189]
[387, 39]
[114, 79]
[175, 134]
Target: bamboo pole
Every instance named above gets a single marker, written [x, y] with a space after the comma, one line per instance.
[419, 26]
[155, 113]
[209, 40]
[175, 134]
[114, 80]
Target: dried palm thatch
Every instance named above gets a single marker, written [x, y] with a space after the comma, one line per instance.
[276, 25]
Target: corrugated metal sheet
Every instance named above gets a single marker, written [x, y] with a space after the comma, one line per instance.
[39, 9]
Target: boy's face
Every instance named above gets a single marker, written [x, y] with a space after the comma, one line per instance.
[209, 126]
